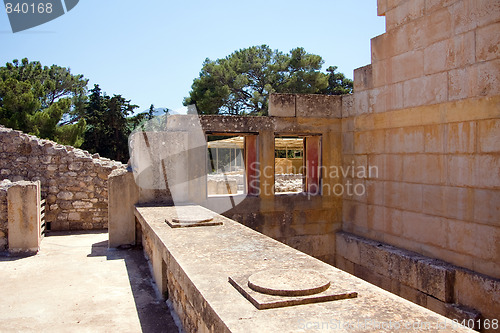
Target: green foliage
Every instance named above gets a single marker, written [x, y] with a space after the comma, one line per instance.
[108, 125]
[241, 83]
[338, 84]
[34, 99]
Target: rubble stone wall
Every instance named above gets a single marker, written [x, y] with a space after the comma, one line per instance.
[73, 182]
[4, 185]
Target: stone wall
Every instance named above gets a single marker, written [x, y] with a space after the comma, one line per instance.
[306, 222]
[4, 185]
[426, 112]
[73, 182]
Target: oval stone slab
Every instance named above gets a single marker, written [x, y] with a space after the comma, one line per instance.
[288, 282]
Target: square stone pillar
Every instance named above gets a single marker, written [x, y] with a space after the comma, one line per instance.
[123, 194]
[24, 220]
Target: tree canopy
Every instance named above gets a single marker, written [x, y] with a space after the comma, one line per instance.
[108, 124]
[34, 99]
[241, 82]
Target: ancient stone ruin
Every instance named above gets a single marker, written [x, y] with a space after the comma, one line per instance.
[400, 187]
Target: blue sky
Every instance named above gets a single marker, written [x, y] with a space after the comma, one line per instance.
[150, 51]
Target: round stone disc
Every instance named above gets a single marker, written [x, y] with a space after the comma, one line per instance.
[190, 214]
[191, 219]
[288, 282]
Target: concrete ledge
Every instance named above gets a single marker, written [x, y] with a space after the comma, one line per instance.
[192, 266]
[452, 291]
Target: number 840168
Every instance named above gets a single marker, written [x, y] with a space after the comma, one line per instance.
[25, 8]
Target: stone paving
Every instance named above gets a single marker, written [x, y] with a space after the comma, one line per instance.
[76, 284]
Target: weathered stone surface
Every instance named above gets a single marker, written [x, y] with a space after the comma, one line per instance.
[447, 289]
[198, 270]
[23, 217]
[363, 78]
[318, 106]
[66, 174]
[282, 105]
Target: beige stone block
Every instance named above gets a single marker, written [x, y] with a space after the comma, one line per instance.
[417, 226]
[348, 143]
[426, 90]
[282, 105]
[381, 73]
[487, 171]
[122, 196]
[362, 103]
[394, 3]
[347, 247]
[403, 196]
[393, 139]
[394, 167]
[485, 11]
[347, 124]
[23, 216]
[408, 37]
[487, 42]
[387, 98]
[461, 82]
[477, 240]
[449, 53]
[482, 79]
[435, 279]
[318, 106]
[405, 140]
[487, 206]
[436, 26]
[347, 105]
[460, 170]
[363, 78]
[403, 13]
[355, 213]
[358, 163]
[369, 142]
[394, 218]
[471, 288]
[424, 168]
[461, 137]
[489, 136]
[488, 79]
[447, 201]
[434, 139]
[433, 5]
[376, 218]
[462, 15]
[381, 47]
[413, 295]
[408, 65]
[377, 162]
[381, 7]
[375, 192]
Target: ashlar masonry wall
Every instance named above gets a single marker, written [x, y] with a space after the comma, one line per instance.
[426, 112]
[74, 183]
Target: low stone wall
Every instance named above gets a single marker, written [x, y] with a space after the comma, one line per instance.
[73, 182]
[450, 290]
[193, 273]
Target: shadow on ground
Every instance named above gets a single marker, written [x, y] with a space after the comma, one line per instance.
[154, 315]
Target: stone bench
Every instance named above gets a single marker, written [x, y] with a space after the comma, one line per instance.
[204, 271]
